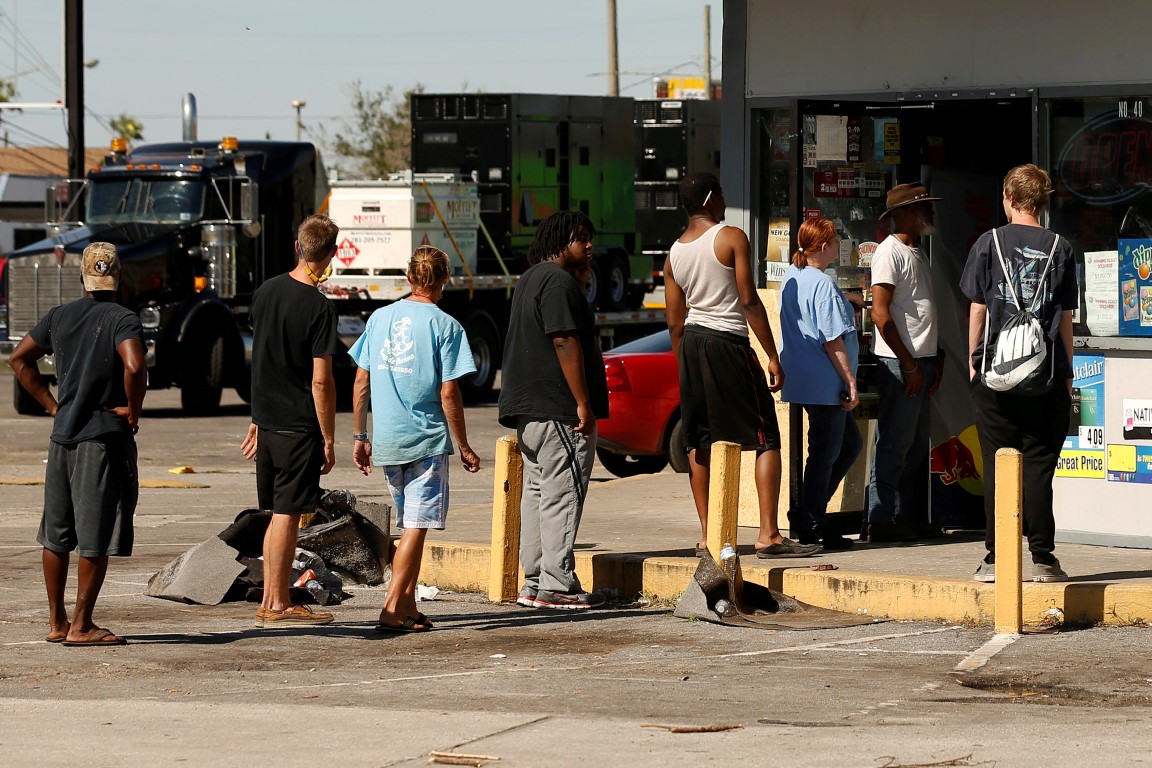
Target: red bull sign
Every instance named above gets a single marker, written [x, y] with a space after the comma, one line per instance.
[957, 461]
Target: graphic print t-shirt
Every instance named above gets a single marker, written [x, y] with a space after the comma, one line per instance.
[409, 349]
[1025, 252]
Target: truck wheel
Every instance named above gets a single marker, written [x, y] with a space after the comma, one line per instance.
[630, 466]
[677, 456]
[484, 340]
[203, 378]
[615, 289]
[594, 288]
[24, 403]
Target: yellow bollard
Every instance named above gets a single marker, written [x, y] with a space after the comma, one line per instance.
[1009, 529]
[504, 559]
[723, 496]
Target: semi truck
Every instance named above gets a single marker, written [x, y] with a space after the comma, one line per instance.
[198, 226]
[486, 169]
[530, 155]
[21, 219]
[673, 138]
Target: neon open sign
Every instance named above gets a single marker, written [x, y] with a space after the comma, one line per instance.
[1109, 160]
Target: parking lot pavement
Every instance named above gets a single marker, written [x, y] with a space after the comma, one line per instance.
[199, 684]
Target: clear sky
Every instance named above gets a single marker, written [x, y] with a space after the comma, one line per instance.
[247, 60]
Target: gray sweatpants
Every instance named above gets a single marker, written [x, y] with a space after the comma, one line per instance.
[557, 466]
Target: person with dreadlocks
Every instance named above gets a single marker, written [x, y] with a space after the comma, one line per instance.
[723, 392]
[552, 392]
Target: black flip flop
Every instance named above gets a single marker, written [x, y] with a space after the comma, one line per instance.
[410, 626]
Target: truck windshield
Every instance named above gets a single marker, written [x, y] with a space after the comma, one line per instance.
[150, 201]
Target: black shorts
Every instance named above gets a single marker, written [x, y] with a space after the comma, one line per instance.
[90, 494]
[723, 392]
[288, 468]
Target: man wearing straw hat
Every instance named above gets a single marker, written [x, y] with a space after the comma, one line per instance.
[909, 370]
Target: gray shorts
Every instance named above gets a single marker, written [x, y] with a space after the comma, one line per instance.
[90, 493]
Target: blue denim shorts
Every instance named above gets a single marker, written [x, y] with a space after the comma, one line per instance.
[420, 492]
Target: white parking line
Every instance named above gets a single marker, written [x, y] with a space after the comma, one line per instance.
[984, 653]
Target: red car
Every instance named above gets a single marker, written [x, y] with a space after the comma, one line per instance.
[643, 432]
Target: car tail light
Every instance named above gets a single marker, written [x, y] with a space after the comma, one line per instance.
[617, 376]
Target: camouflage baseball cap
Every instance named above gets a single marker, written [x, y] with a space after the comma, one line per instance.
[101, 269]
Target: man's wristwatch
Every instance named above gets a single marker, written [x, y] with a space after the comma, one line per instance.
[360, 437]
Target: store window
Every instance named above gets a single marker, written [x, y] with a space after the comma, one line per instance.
[1100, 156]
[775, 150]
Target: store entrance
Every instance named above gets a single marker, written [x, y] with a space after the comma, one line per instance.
[850, 154]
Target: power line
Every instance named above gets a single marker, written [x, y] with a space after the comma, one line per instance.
[43, 139]
[31, 52]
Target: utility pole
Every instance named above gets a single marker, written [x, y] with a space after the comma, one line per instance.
[613, 59]
[299, 104]
[708, 52]
[74, 84]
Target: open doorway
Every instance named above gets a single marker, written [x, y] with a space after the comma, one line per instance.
[848, 155]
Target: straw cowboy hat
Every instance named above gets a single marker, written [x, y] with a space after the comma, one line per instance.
[906, 194]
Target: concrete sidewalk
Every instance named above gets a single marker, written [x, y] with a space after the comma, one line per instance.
[638, 534]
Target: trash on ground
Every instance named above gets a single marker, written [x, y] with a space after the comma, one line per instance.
[203, 574]
[695, 728]
[347, 540]
[426, 592]
[723, 597]
[459, 758]
[498, 656]
[182, 471]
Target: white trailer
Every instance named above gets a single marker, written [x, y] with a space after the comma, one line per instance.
[383, 221]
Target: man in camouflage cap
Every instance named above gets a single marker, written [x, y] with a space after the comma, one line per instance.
[90, 486]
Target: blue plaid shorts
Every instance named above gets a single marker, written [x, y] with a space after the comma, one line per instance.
[420, 491]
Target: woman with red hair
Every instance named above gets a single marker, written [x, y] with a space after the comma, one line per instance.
[820, 351]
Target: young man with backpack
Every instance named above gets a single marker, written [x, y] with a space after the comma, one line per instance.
[1021, 280]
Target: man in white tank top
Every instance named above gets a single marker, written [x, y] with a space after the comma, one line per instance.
[724, 394]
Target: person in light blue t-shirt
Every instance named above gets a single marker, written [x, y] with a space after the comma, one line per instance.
[409, 360]
[820, 352]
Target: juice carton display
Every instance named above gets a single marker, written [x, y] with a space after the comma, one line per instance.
[1128, 300]
[1135, 286]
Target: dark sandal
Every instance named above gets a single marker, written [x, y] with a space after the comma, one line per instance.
[409, 626]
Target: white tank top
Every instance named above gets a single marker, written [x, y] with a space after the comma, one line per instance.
[709, 286]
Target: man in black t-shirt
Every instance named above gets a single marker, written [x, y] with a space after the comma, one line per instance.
[1033, 424]
[552, 391]
[292, 435]
[90, 482]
